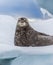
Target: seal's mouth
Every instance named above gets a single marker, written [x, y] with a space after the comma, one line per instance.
[22, 24]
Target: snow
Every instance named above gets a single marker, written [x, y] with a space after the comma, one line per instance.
[7, 31]
[36, 50]
[24, 55]
[7, 51]
[44, 26]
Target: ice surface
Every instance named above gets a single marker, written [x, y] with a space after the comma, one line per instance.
[47, 4]
[46, 13]
[7, 29]
[23, 54]
[44, 26]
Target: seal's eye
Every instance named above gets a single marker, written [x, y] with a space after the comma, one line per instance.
[22, 18]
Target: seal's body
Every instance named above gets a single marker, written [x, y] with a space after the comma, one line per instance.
[27, 36]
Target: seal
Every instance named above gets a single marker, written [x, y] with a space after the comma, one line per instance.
[25, 35]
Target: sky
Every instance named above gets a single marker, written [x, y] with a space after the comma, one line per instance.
[28, 8]
[20, 8]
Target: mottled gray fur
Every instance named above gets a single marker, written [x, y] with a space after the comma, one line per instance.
[27, 36]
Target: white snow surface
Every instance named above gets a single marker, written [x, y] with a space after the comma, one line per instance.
[44, 26]
[7, 51]
[7, 31]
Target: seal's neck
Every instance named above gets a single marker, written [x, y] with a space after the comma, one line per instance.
[24, 28]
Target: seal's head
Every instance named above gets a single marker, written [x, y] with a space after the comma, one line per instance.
[22, 22]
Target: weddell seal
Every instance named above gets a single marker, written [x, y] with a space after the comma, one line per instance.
[25, 35]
